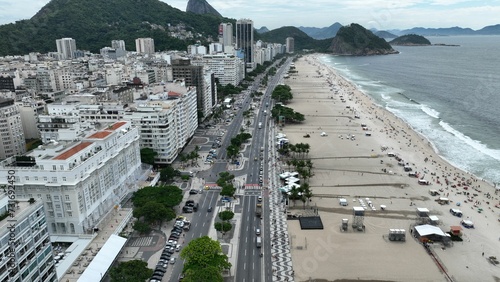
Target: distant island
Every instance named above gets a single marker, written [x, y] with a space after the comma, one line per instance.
[355, 40]
[410, 40]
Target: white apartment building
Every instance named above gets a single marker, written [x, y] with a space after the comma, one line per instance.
[145, 45]
[66, 47]
[12, 141]
[79, 182]
[118, 44]
[227, 68]
[30, 252]
[29, 109]
[166, 120]
[114, 74]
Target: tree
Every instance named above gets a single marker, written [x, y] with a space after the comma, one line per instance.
[204, 254]
[154, 212]
[130, 271]
[210, 273]
[223, 226]
[226, 215]
[169, 196]
[227, 190]
[141, 227]
[148, 156]
[168, 173]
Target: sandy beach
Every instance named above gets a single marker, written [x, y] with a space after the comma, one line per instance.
[349, 164]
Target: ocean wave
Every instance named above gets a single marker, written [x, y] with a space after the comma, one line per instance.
[430, 111]
[477, 145]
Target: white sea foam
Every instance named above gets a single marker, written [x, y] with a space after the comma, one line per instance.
[477, 145]
[430, 111]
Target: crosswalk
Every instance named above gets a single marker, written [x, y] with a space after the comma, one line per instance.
[253, 186]
[142, 241]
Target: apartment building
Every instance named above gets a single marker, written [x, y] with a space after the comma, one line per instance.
[145, 46]
[166, 120]
[66, 47]
[226, 68]
[12, 141]
[80, 181]
[25, 249]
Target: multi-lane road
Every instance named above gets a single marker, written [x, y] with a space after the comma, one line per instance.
[250, 266]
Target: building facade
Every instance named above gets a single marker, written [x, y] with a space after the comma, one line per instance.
[25, 249]
[226, 34]
[79, 182]
[244, 41]
[290, 45]
[228, 69]
[145, 46]
[12, 141]
[66, 47]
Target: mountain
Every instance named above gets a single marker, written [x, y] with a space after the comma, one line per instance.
[321, 33]
[410, 40]
[201, 7]
[301, 39]
[358, 41]
[438, 31]
[489, 30]
[262, 30]
[94, 23]
[384, 34]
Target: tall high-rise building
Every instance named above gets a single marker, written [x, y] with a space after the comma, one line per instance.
[226, 34]
[118, 44]
[66, 47]
[244, 40]
[25, 250]
[12, 141]
[290, 45]
[145, 45]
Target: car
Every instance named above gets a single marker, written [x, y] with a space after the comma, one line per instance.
[257, 231]
[209, 209]
[178, 248]
[160, 269]
[195, 208]
[186, 209]
[171, 251]
[175, 234]
[176, 229]
[166, 257]
[259, 199]
[157, 277]
[193, 192]
[188, 202]
[174, 237]
[172, 260]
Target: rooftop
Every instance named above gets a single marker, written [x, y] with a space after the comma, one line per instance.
[73, 150]
[117, 125]
[100, 135]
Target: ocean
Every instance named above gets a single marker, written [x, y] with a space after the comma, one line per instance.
[450, 94]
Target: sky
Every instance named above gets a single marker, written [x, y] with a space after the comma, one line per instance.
[379, 14]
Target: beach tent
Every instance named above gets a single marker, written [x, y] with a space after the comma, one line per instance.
[428, 232]
[292, 179]
[285, 175]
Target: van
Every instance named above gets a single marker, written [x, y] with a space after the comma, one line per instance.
[258, 242]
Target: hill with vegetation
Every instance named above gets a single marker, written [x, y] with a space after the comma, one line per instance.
[94, 23]
[355, 40]
[301, 39]
[410, 40]
[201, 7]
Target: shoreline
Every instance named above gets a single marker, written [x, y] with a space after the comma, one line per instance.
[349, 164]
[381, 107]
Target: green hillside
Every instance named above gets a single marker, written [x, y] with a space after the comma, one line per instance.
[358, 41]
[94, 23]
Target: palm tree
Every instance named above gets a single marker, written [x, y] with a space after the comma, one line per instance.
[294, 194]
[306, 191]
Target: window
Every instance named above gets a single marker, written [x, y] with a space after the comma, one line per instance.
[68, 206]
[54, 179]
[49, 198]
[64, 178]
[59, 214]
[56, 198]
[51, 214]
[45, 178]
[70, 214]
[67, 197]
[54, 167]
[36, 178]
[27, 177]
[58, 206]
[50, 206]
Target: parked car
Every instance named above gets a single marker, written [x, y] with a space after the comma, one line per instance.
[187, 209]
[193, 192]
[195, 207]
[172, 260]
